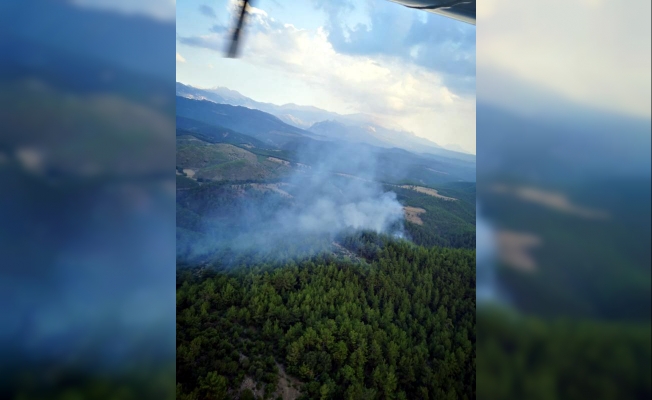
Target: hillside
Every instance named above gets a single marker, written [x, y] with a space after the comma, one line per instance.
[203, 161]
[352, 127]
[338, 131]
[260, 125]
[216, 134]
[265, 134]
[216, 216]
[578, 320]
[442, 222]
[395, 322]
[300, 116]
[313, 267]
[373, 134]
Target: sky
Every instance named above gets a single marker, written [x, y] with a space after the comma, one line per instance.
[409, 69]
[593, 53]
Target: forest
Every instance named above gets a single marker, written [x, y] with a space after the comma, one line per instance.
[240, 209]
[529, 357]
[579, 326]
[280, 295]
[445, 223]
[386, 319]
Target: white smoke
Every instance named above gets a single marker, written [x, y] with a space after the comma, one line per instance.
[339, 193]
[488, 289]
[377, 212]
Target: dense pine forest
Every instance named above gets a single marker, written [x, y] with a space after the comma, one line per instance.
[579, 326]
[445, 223]
[528, 357]
[386, 319]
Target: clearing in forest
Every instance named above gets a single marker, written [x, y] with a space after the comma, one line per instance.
[287, 385]
[428, 191]
[412, 214]
[514, 249]
[278, 160]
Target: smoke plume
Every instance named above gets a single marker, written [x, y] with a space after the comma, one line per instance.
[331, 191]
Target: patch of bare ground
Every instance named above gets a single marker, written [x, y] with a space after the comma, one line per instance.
[264, 187]
[249, 383]
[278, 160]
[514, 249]
[428, 191]
[190, 173]
[551, 200]
[247, 146]
[412, 214]
[288, 386]
[344, 251]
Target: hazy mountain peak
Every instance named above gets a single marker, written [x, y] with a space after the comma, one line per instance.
[455, 147]
[328, 122]
[229, 93]
[358, 127]
[293, 120]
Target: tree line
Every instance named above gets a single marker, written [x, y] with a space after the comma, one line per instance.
[392, 320]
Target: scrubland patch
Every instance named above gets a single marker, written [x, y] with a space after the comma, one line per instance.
[278, 160]
[514, 249]
[412, 214]
[428, 191]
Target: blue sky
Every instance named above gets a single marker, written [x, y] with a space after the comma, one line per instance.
[409, 69]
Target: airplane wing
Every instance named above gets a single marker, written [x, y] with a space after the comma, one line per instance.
[461, 10]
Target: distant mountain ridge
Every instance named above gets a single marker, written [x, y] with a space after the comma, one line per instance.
[300, 116]
[353, 127]
[268, 136]
[255, 123]
[333, 129]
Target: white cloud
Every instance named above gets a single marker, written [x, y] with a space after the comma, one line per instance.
[180, 58]
[234, 6]
[395, 92]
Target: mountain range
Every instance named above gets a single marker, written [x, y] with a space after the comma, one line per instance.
[266, 135]
[352, 127]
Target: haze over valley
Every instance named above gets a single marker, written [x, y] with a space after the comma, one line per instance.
[317, 181]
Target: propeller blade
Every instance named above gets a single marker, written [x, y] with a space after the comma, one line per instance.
[233, 48]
